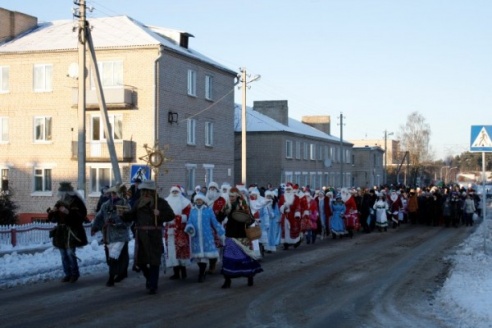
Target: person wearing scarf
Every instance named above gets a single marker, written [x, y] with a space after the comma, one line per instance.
[238, 260]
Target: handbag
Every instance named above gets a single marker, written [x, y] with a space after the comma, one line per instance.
[253, 232]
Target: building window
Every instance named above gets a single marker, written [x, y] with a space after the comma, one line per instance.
[333, 154]
[298, 150]
[111, 74]
[4, 129]
[191, 83]
[190, 177]
[288, 176]
[209, 173]
[209, 87]
[42, 128]
[320, 153]
[115, 126]
[306, 151]
[312, 152]
[288, 149]
[42, 179]
[347, 156]
[100, 177]
[191, 127]
[4, 79]
[43, 78]
[209, 134]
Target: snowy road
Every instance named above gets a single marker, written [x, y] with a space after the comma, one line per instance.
[374, 280]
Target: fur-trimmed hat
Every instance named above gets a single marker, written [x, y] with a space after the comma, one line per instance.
[200, 196]
[147, 184]
[175, 188]
[214, 185]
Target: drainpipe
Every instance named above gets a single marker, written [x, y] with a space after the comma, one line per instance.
[157, 93]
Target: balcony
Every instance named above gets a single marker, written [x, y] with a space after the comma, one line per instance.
[97, 151]
[117, 98]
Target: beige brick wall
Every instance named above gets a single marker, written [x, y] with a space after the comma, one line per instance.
[21, 104]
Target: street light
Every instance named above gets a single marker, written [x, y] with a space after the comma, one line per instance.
[386, 134]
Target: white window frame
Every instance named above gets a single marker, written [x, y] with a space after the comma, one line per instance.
[209, 134]
[320, 152]
[44, 173]
[191, 83]
[113, 118]
[46, 132]
[97, 181]
[191, 131]
[42, 78]
[298, 150]
[4, 129]
[288, 148]
[4, 79]
[312, 152]
[306, 150]
[190, 177]
[209, 173]
[209, 81]
[110, 72]
[288, 176]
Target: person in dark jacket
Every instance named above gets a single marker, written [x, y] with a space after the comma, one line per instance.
[149, 213]
[116, 234]
[69, 213]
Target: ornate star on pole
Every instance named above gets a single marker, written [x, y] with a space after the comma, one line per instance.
[155, 157]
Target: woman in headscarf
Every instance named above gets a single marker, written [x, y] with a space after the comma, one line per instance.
[239, 260]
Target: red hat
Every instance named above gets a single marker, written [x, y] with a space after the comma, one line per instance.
[288, 185]
[296, 187]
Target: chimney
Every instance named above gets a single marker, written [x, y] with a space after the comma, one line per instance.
[320, 122]
[276, 109]
[13, 23]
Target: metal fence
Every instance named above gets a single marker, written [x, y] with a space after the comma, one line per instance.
[30, 234]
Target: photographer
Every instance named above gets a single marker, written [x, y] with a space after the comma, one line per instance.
[69, 213]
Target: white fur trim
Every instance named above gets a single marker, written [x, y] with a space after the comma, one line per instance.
[306, 212]
[297, 214]
[184, 218]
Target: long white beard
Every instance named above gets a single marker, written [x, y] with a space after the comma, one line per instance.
[175, 203]
[212, 195]
[289, 198]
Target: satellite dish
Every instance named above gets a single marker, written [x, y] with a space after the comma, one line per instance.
[73, 70]
[327, 162]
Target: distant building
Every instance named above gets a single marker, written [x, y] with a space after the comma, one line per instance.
[281, 149]
[368, 166]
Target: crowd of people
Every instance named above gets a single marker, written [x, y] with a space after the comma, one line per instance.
[210, 225]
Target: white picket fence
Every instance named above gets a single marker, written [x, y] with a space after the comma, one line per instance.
[29, 234]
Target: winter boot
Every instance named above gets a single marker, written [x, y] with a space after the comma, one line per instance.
[250, 281]
[183, 272]
[227, 283]
[201, 275]
[113, 267]
[212, 263]
[175, 276]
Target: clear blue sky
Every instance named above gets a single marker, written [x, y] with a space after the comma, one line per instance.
[375, 61]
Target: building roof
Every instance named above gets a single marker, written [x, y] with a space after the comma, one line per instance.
[258, 122]
[107, 33]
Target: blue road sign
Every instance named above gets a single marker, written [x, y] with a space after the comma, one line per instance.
[139, 171]
[480, 138]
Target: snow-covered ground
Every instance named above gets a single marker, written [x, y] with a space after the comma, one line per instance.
[465, 298]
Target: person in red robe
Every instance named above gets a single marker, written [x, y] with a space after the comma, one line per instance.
[290, 208]
[352, 222]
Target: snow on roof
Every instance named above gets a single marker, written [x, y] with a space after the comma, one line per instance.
[258, 122]
[107, 33]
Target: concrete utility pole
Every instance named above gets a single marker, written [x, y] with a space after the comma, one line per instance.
[341, 151]
[85, 38]
[243, 80]
[81, 151]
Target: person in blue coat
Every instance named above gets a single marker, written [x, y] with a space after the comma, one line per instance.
[337, 225]
[201, 225]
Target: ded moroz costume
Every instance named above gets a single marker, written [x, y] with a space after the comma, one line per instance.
[290, 208]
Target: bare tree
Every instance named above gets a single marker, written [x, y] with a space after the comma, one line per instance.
[415, 137]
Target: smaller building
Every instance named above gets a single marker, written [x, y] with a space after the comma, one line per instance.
[368, 166]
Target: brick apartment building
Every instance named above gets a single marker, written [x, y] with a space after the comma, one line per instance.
[157, 90]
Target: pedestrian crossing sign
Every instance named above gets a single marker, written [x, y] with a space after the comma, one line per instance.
[141, 172]
[480, 138]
